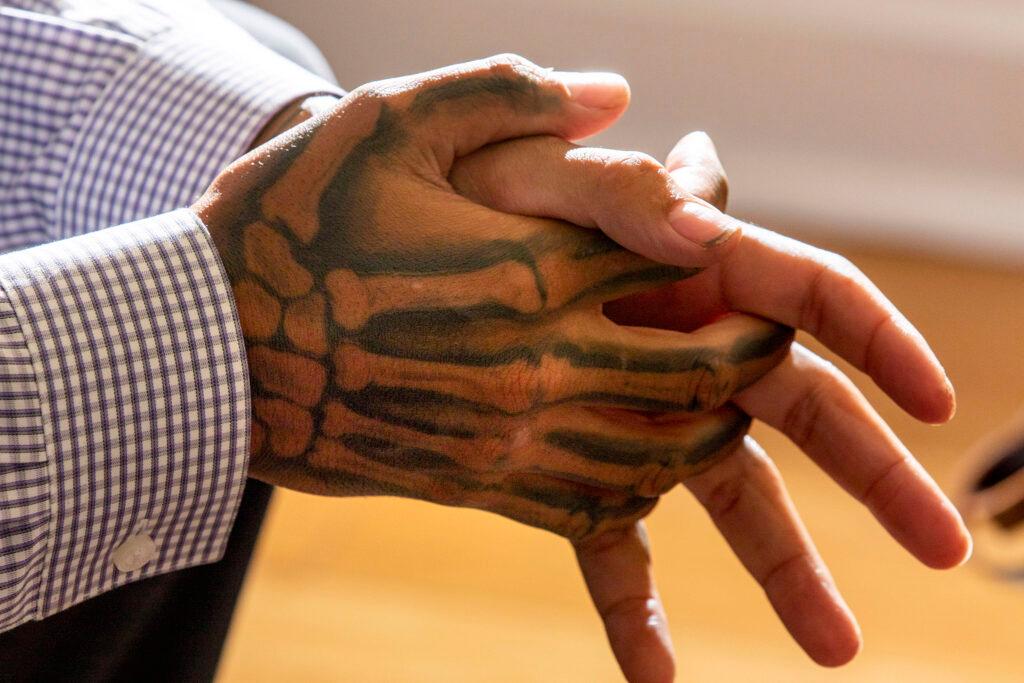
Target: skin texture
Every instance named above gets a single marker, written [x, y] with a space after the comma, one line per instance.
[405, 341]
[516, 303]
[805, 397]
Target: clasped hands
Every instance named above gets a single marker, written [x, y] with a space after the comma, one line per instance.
[444, 298]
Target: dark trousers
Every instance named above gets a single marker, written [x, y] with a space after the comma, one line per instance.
[166, 628]
[170, 627]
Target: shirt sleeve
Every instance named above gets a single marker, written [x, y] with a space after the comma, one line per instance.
[124, 406]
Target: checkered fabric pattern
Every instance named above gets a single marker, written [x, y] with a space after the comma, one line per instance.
[124, 404]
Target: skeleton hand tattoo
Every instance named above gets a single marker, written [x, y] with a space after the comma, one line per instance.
[406, 341]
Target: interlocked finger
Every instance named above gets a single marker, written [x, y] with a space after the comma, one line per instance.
[627, 195]
[664, 370]
[748, 502]
[542, 266]
[617, 568]
[694, 164]
[587, 359]
[618, 451]
[628, 452]
[562, 507]
[821, 410]
[459, 109]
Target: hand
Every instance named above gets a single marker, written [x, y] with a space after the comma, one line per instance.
[404, 340]
[807, 398]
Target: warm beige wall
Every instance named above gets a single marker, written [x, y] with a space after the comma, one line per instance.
[897, 120]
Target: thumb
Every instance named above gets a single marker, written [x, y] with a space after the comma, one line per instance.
[628, 195]
[458, 109]
[617, 568]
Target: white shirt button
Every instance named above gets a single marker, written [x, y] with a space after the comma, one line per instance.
[134, 553]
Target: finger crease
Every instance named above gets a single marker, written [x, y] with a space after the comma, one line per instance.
[625, 605]
[780, 566]
[813, 309]
[869, 493]
[801, 419]
[867, 363]
[723, 499]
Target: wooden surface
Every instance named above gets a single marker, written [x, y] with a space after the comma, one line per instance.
[381, 590]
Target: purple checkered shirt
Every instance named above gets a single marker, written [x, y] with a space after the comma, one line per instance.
[124, 405]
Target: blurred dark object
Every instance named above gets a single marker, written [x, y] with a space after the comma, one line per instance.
[991, 499]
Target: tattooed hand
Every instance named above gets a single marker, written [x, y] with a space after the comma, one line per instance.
[403, 340]
[809, 399]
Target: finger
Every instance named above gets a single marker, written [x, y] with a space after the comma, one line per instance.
[650, 369]
[620, 451]
[458, 109]
[627, 195]
[690, 303]
[747, 500]
[565, 508]
[640, 455]
[824, 414]
[695, 166]
[814, 290]
[807, 288]
[581, 358]
[541, 264]
[617, 569]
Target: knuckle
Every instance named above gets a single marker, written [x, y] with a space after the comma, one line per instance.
[579, 527]
[842, 270]
[836, 278]
[655, 480]
[448, 492]
[731, 426]
[633, 168]
[512, 449]
[524, 386]
[716, 382]
[368, 93]
[801, 418]
[603, 534]
[510, 64]
[637, 180]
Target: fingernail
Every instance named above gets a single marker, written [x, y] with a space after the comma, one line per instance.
[596, 90]
[702, 223]
[952, 394]
[970, 551]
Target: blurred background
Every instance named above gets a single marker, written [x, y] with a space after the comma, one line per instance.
[892, 132]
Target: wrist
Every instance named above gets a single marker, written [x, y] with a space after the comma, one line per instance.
[227, 199]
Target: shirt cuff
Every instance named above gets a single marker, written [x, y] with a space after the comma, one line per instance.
[125, 408]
